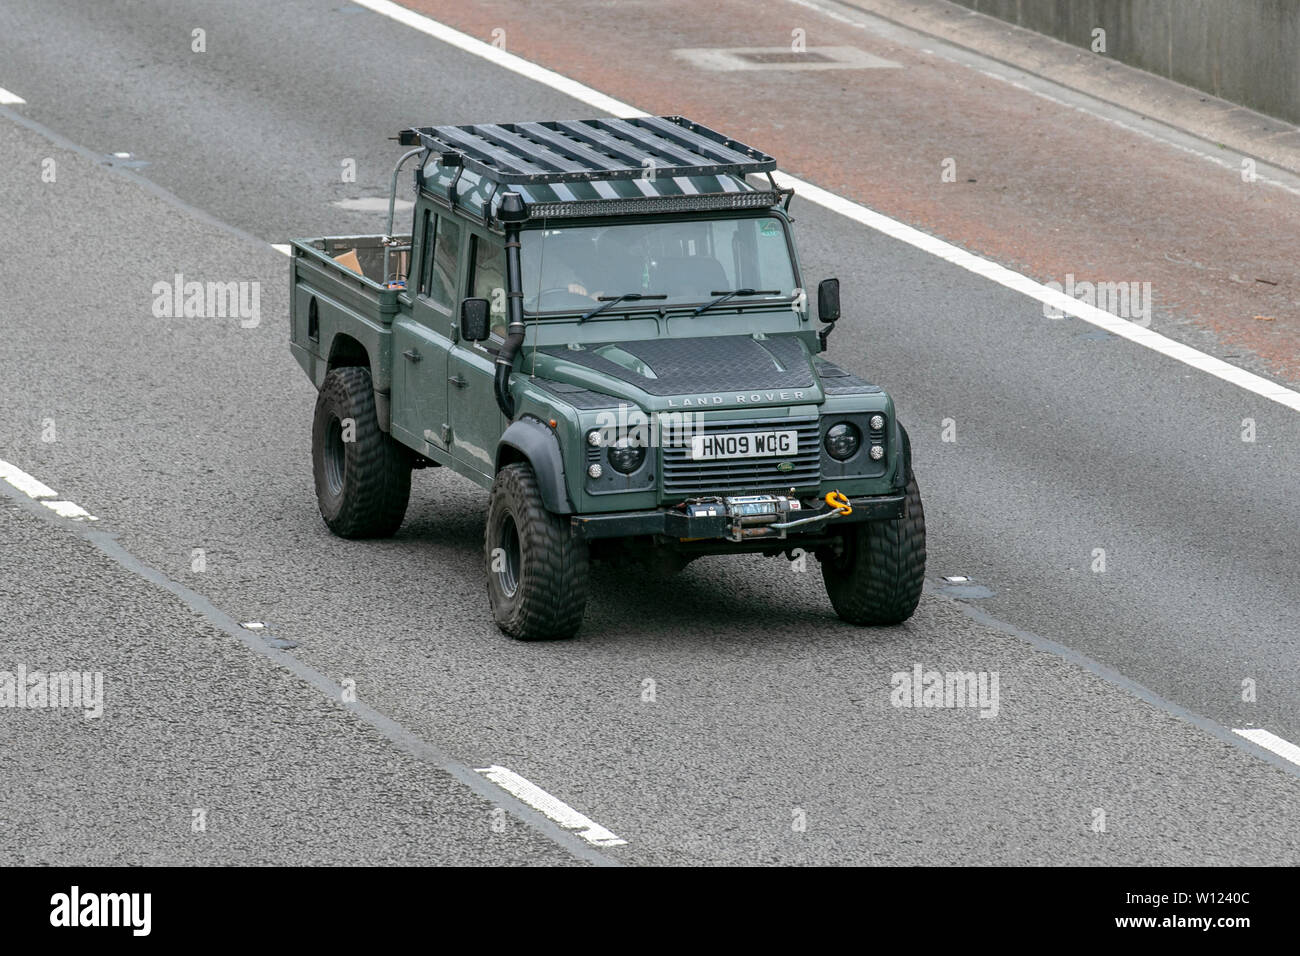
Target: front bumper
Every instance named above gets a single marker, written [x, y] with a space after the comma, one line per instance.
[673, 523]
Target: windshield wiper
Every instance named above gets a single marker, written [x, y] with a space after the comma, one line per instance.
[613, 300]
[723, 296]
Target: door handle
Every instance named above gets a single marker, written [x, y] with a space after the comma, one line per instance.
[457, 381]
[412, 354]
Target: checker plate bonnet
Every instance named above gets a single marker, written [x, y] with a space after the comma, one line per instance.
[724, 363]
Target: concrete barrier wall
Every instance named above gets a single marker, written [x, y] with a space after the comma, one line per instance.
[1245, 51]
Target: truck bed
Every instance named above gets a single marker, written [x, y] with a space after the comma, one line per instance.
[335, 310]
[369, 253]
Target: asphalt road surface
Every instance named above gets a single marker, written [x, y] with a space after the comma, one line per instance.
[769, 736]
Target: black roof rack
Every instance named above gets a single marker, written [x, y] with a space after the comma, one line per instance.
[585, 150]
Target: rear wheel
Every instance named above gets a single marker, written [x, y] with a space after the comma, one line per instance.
[877, 578]
[536, 569]
[363, 477]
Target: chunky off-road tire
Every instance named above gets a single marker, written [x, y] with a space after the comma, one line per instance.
[878, 578]
[362, 486]
[536, 569]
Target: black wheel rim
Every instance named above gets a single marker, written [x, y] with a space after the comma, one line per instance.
[509, 556]
[334, 457]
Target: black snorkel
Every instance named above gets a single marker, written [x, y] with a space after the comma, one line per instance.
[511, 212]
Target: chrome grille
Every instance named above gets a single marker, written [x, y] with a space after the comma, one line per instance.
[683, 477]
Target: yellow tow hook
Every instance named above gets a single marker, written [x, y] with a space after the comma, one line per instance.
[840, 503]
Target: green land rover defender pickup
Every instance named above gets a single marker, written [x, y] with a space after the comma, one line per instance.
[604, 323]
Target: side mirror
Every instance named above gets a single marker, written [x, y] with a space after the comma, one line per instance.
[828, 300]
[474, 320]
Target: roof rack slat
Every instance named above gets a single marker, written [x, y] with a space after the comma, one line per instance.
[651, 142]
[542, 133]
[611, 144]
[537, 154]
[488, 154]
[717, 150]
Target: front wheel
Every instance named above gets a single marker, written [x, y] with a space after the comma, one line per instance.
[536, 569]
[877, 578]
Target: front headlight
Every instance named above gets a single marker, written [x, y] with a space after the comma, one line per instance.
[625, 457]
[843, 441]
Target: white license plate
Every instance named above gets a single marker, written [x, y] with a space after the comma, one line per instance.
[744, 445]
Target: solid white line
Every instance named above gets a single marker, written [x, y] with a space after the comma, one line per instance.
[42, 492]
[283, 247]
[10, 99]
[556, 809]
[867, 217]
[1036, 290]
[1280, 746]
[463, 41]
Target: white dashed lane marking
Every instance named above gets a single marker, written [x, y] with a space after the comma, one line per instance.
[43, 493]
[1272, 742]
[68, 509]
[10, 99]
[550, 806]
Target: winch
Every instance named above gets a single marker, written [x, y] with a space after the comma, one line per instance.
[760, 516]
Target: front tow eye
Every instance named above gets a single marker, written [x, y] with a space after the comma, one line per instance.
[840, 503]
[835, 500]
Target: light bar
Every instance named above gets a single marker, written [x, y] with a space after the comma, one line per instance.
[756, 199]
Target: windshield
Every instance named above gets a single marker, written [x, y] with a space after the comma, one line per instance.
[688, 262]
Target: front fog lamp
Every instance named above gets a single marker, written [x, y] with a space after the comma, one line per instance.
[625, 457]
[842, 441]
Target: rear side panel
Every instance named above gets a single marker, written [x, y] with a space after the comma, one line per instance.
[334, 311]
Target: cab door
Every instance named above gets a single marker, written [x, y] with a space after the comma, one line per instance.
[422, 339]
[476, 421]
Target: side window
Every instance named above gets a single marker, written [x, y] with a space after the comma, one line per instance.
[490, 280]
[426, 252]
[438, 271]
